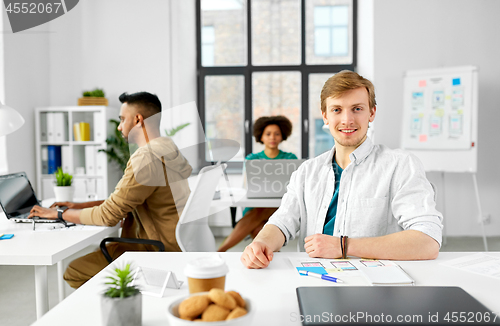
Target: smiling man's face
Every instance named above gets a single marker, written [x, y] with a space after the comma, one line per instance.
[348, 116]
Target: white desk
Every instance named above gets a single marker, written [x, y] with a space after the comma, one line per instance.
[272, 290]
[240, 199]
[42, 248]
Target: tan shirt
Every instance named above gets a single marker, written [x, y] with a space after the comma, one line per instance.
[150, 196]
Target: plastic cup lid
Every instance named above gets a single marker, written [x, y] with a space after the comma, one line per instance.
[207, 267]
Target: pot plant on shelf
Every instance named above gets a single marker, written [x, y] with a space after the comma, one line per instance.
[63, 189]
[122, 302]
[94, 97]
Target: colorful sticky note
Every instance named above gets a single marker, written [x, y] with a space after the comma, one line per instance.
[439, 112]
[460, 111]
[455, 81]
[422, 83]
[317, 270]
[422, 138]
[6, 236]
[421, 115]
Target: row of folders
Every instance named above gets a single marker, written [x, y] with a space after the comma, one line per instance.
[55, 128]
[80, 160]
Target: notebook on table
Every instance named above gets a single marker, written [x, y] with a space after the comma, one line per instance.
[369, 305]
[17, 198]
[269, 178]
[387, 275]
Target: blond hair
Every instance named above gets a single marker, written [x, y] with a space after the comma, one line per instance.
[343, 82]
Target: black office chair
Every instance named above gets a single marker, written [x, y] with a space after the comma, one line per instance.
[104, 250]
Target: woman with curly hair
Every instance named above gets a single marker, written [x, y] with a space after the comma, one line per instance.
[270, 131]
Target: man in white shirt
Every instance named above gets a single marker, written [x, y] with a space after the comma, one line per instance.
[359, 199]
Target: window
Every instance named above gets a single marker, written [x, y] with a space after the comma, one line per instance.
[331, 30]
[261, 57]
[207, 46]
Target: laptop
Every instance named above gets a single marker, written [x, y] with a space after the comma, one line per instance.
[269, 178]
[17, 198]
[390, 305]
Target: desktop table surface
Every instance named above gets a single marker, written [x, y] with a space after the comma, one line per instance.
[271, 290]
[44, 246]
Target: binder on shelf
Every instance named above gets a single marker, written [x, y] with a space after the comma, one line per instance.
[101, 161]
[99, 130]
[67, 159]
[51, 137]
[54, 158]
[59, 127]
[85, 131]
[45, 160]
[43, 127]
[76, 131]
[90, 168]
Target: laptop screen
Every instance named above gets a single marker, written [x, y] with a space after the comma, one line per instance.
[16, 195]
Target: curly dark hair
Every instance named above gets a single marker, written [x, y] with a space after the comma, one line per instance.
[282, 122]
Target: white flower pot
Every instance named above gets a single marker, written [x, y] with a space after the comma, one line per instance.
[64, 193]
[122, 312]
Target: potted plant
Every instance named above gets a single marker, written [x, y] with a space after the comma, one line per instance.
[122, 302]
[63, 190]
[94, 97]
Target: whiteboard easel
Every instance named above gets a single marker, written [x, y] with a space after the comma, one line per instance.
[440, 123]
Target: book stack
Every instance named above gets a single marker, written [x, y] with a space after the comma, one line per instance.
[81, 131]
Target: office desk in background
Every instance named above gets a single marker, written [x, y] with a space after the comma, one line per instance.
[43, 247]
[240, 199]
[272, 290]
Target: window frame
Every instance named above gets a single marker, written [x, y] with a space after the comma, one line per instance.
[247, 71]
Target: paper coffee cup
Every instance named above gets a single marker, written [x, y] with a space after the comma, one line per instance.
[206, 273]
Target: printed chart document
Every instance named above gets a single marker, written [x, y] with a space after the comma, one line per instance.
[357, 271]
[477, 263]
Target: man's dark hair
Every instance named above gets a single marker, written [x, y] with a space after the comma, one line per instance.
[261, 123]
[148, 103]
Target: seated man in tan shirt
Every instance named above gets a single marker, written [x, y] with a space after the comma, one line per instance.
[149, 198]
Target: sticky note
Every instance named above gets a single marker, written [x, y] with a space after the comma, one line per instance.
[318, 270]
[439, 112]
[422, 83]
[422, 138]
[6, 236]
[421, 115]
[460, 111]
[455, 81]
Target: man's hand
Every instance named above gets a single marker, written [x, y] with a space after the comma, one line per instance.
[68, 204]
[257, 255]
[323, 246]
[43, 212]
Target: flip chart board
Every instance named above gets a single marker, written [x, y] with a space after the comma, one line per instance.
[440, 118]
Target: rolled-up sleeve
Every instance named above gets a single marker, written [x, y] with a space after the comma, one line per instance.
[413, 203]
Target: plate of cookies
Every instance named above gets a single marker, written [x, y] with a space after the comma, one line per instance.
[217, 307]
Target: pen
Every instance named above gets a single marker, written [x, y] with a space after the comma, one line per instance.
[321, 276]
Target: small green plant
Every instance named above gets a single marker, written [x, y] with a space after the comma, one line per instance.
[95, 93]
[120, 284]
[173, 131]
[63, 179]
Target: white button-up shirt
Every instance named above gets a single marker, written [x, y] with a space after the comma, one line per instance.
[382, 191]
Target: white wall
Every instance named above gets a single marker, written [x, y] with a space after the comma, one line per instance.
[422, 34]
[118, 45]
[25, 73]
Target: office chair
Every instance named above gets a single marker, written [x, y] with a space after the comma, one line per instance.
[192, 231]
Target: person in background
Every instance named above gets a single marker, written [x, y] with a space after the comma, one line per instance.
[270, 131]
[145, 200]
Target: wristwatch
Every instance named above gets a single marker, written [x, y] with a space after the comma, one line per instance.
[60, 212]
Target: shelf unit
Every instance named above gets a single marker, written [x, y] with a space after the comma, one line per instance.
[90, 185]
